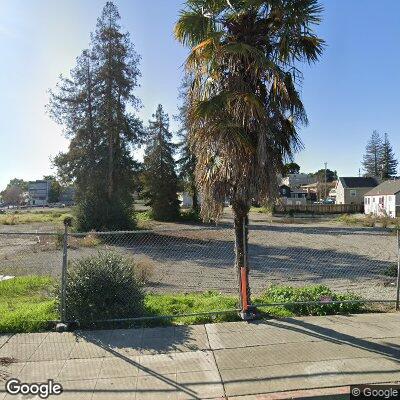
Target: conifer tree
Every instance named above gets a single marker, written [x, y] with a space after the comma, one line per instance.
[160, 182]
[187, 160]
[95, 107]
[372, 157]
[389, 161]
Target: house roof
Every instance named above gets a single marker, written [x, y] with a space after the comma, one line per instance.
[387, 187]
[358, 182]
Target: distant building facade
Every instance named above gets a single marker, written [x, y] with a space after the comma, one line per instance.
[351, 190]
[290, 196]
[383, 200]
[67, 196]
[39, 192]
[296, 180]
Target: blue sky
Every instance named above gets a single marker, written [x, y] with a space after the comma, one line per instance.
[353, 90]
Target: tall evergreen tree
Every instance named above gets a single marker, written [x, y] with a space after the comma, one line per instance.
[187, 159]
[93, 106]
[389, 161]
[372, 157]
[159, 177]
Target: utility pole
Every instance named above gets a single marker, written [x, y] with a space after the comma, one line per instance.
[326, 195]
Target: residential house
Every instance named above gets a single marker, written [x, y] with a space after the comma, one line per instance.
[292, 196]
[296, 180]
[284, 191]
[312, 191]
[39, 192]
[383, 200]
[351, 190]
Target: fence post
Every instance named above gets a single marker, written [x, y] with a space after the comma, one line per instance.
[64, 273]
[398, 272]
[247, 311]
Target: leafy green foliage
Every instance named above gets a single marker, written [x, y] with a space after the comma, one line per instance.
[12, 194]
[290, 294]
[103, 287]
[320, 175]
[160, 182]
[95, 108]
[291, 168]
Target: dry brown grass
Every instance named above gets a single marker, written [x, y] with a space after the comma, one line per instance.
[144, 268]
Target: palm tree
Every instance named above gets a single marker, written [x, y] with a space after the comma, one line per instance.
[245, 108]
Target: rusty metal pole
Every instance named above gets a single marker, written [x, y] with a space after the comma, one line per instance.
[398, 273]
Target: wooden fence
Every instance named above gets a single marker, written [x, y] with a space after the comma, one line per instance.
[320, 208]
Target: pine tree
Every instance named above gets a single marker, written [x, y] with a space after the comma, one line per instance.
[372, 157]
[93, 105]
[388, 159]
[159, 177]
[187, 160]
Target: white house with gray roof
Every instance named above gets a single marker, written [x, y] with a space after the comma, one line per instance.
[351, 189]
[383, 200]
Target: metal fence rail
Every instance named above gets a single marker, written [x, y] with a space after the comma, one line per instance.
[200, 259]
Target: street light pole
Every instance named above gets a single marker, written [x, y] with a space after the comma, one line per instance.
[325, 182]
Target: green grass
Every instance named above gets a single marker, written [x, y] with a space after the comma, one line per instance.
[261, 210]
[173, 304]
[185, 216]
[143, 215]
[26, 305]
[28, 217]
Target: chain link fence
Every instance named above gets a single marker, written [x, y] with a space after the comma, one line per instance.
[200, 259]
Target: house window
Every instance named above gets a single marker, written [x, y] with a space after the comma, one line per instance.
[381, 200]
[353, 192]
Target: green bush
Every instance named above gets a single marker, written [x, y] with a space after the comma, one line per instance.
[290, 294]
[103, 287]
[190, 216]
[100, 214]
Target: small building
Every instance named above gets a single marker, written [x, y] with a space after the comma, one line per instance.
[39, 192]
[186, 199]
[296, 180]
[351, 190]
[383, 200]
[295, 197]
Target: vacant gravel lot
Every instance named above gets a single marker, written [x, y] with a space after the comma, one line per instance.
[183, 258]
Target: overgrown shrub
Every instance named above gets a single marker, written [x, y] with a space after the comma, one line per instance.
[103, 287]
[347, 219]
[369, 221]
[290, 294]
[190, 216]
[144, 269]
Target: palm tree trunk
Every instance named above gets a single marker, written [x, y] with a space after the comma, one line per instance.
[241, 219]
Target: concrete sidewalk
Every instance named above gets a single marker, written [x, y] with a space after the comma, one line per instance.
[229, 360]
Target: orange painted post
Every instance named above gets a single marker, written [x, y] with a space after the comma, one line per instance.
[243, 282]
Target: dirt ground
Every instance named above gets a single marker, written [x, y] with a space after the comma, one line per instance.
[184, 258]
